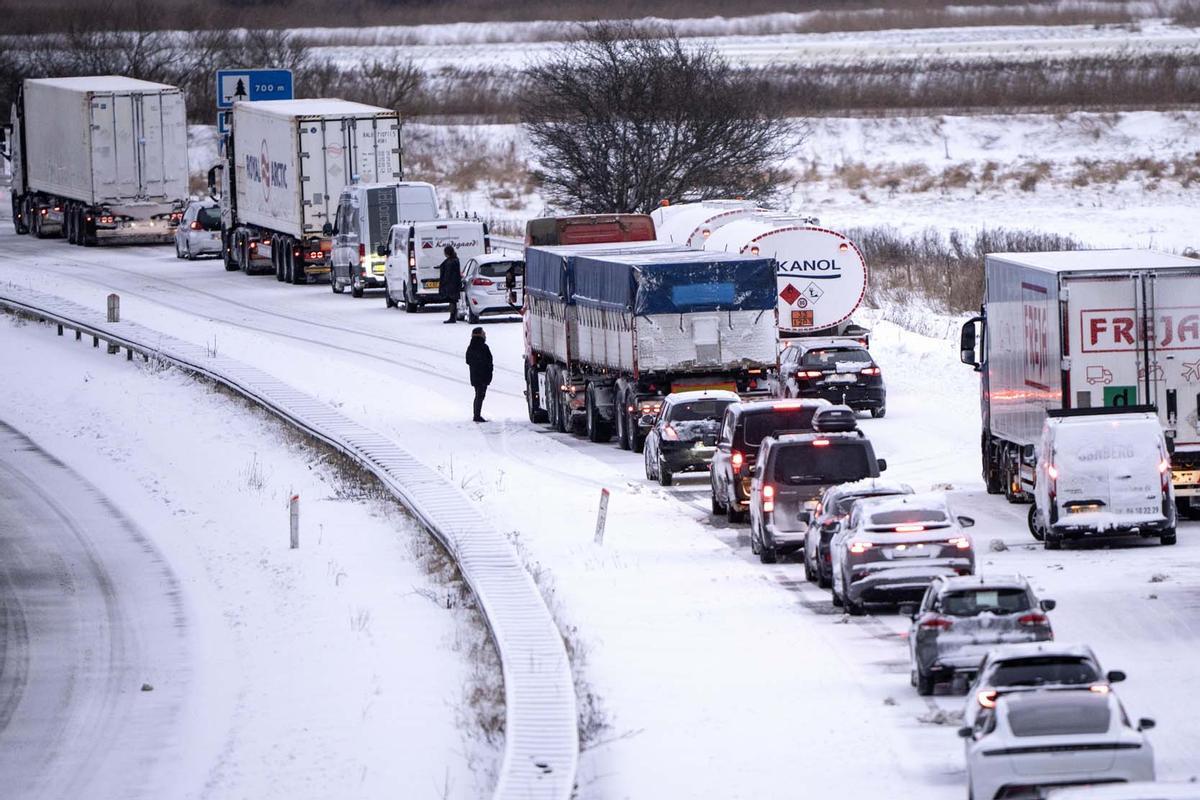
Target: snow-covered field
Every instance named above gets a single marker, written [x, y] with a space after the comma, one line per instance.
[715, 676]
[334, 670]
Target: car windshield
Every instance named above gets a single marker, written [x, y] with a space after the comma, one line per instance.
[761, 424]
[1059, 714]
[831, 356]
[498, 269]
[1044, 670]
[909, 516]
[976, 601]
[804, 463]
[209, 218]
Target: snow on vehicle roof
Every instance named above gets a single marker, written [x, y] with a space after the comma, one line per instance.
[312, 107]
[755, 406]
[1134, 790]
[1009, 652]
[103, 83]
[817, 344]
[1100, 260]
[703, 394]
[868, 486]
[1098, 419]
[389, 185]
[932, 501]
[494, 257]
[965, 582]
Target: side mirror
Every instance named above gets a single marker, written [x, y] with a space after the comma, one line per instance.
[908, 610]
[1115, 676]
[1048, 605]
[882, 462]
[967, 341]
[966, 522]
[1146, 724]
[381, 250]
[966, 732]
[327, 229]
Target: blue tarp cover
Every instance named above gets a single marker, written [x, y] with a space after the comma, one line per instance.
[675, 283]
[549, 270]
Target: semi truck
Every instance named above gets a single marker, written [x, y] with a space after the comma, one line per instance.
[589, 229]
[98, 159]
[1085, 329]
[285, 166]
[608, 334]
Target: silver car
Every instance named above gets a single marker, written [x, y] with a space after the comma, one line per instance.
[831, 514]
[961, 619]
[199, 232]
[493, 283]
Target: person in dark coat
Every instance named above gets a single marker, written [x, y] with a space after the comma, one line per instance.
[450, 281]
[479, 359]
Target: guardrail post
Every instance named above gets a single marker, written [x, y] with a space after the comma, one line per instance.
[114, 315]
[294, 519]
[601, 516]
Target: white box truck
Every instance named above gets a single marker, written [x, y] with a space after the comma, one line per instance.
[1085, 329]
[286, 166]
[99, 158]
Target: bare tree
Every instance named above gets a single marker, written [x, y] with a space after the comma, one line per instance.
[622, 120]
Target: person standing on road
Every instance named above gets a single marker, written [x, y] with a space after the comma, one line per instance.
[479, 359]
[450, 282]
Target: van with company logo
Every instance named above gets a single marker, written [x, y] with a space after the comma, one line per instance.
[365, 215]
[1101, 473]
[414, 255]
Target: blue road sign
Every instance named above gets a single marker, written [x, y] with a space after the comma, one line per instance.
[223, 121]
[252, 84]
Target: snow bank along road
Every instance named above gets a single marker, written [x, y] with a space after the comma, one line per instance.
[717, 677]
[276, 673]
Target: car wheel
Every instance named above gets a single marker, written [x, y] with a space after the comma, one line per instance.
[734, 513]
[754, 546]
[717, 508]
[836, 599]
[822, 581]
[879, 413]
[472, 317]
[410, 304]
[356, 290]
[808, 572]
[1034, 528]
[187, 254]
[924, 684]
[852, 608]
[178, 252]
[665, 476]
[647, 462]
[1052, 541]
[1168, 537]
[767, 555]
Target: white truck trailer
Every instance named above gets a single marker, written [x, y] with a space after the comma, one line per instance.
[287, 163]
[99, 159]
[608, 335]
[1085, 329]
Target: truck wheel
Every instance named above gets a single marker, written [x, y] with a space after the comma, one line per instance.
[336, 287]
[623, 441]
[18, 217]
[599, 430]
[536, 413]
[280, 270]
[991, 475]
[299, 277]
[387, 297]
[1033, 526]
[227, 256]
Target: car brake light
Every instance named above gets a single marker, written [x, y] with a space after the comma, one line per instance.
[768, 493]
[858, 548]
[481, 282]
[670, 434]
[1164, 466]
[195, 226]
[1052, 471]
[961, 542]
[936, 624]
[908, 528]
[736, 461]
[820, 443]
[809, 373]
[987, 698]
[790, 404]
[871, 371]
[1031, 620]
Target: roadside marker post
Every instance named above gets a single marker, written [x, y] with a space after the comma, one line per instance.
[602, 516]
[294, 520]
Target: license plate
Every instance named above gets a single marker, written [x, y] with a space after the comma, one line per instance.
[378, 269]
[1185, 477]
[841, 379]
[916, 551]
[429, 284]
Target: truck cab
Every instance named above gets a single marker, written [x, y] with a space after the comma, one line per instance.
[589, 229]
[363, 221]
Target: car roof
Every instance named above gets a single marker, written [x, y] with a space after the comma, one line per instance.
[867, 486]
[702, 394]
[1100, 419]
[803, 438]
[1134, 790]
[817, 344]
[1010, 652]
[896, 502]
[964, 582]
[203, 202]
[1060, 698]
[759, 406]
[491, 258]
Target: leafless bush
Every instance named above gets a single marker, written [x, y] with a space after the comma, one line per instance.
[945, 270]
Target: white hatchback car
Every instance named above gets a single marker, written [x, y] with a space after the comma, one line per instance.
[1140, 790]
[1032, 742]
[199, 232]
[493, 283]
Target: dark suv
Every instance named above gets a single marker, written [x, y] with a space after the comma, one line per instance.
[743, 428]
[838, 370]
[792, 472]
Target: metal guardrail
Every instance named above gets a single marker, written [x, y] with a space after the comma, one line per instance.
[508, 243]
[541, 745]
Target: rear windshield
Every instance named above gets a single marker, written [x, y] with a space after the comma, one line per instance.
[1059, 714]
[698, 410]
[909, 516]
[801, 464]
[758, 426]
[832, 356]
[976, 601]
[844, 504]
[1108, 441]
[1045, 670]
[209, 218]
[498, 269]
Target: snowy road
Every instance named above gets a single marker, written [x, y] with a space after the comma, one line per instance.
[684, 634]
[89, 612]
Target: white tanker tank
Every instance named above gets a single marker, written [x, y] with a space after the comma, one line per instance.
[822, 276]
[689, 224]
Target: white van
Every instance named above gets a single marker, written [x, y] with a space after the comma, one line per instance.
[366, 213]
[1102, 472]
[415, 252]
